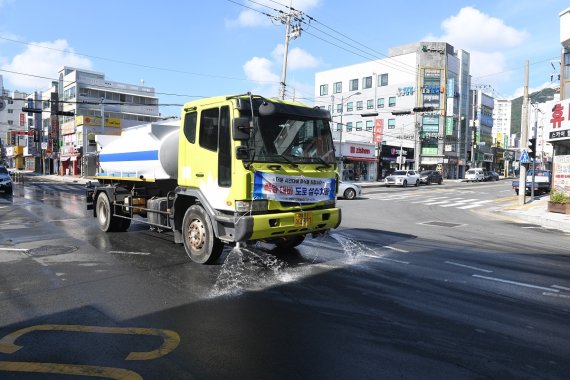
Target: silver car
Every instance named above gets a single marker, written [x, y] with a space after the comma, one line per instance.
[349, 190]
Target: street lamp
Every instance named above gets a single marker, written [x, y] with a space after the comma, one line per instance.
[342, 99]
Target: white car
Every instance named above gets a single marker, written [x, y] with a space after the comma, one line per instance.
[403, 178]
[476, 174]
[349, 190]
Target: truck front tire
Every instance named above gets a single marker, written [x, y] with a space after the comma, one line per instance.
[200, 243]
[105, 218]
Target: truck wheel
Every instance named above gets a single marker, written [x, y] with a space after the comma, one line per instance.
[199, 241]
[289, 242]
[105, 218]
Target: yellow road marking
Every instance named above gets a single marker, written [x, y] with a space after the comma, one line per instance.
[171, 338]
[70, 369]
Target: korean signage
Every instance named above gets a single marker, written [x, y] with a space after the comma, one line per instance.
[378, 126]
[22, 119]
[561, 172]
[405, 91]
[287, 188]
[558, 125]
[96, 121]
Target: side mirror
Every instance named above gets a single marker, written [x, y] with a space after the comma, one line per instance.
[242, 153]
[241, 128]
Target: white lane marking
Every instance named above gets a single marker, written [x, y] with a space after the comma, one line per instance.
[396, 249]
[62, 220]
[531, 227]
[560, 287]
[516, 283]
[460, 203]
[443, 202]
[476, 204]
[131, 253]
[385, 258]
[468, 266]
[15, 249]
[429, 199]
[555, 295]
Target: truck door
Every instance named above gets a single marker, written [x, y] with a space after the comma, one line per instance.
[207, 148]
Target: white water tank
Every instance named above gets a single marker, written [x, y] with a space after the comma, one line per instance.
[148, 150]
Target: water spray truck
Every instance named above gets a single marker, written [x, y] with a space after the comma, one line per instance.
[232, 170]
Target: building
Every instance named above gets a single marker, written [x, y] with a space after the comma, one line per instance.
[502, 123]
[481, 123]
[89, 105]
[13, 127]
[372, 105]
[558, 117]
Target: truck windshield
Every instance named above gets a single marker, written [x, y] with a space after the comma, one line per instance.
[283, 139]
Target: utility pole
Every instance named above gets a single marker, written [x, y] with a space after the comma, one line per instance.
[524, 138]
[291, 32]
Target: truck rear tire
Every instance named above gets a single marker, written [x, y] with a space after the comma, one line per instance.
[105, 218]
[200, 243]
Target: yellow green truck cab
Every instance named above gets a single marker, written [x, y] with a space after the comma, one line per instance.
[235, 169]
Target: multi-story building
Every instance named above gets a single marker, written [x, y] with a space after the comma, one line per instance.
[502, 123]
[558, 117]
[374, 126]
[13, 127]
[481, 124]
[90, 105]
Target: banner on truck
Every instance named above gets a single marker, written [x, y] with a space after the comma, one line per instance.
[286, 188]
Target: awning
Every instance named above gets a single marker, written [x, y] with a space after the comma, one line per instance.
[365, 159]
[63, 159]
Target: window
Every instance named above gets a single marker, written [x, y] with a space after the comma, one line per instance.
[338, 126]
[353, 85]
[392, 101]
[380, 103]
[370, 104]
[391, 123]
[349, 126]
[359, 105]
[337, 87]
[382, 80]
[339, 107]
[324, 89]
[209, 129]
[190, 126]
[225, 155]
[367, 82]
[369, 125]
[349, 107]
[10, 122]
[10, 110]
[359, 126]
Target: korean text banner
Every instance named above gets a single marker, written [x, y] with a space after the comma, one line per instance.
[287, 188]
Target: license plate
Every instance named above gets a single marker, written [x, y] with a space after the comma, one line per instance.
[302, 219]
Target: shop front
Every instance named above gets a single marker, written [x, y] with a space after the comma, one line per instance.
[357, 161]
[391, 159]
[558, 132]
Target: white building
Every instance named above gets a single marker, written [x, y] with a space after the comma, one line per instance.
[99, 106]
[502, 123]
[13, 126]
[376, 98]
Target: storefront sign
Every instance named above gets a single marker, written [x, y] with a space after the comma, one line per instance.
[558, 127]
[286, 188]
[378, 127]
[561, 173]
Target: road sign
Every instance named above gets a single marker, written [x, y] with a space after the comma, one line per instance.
[524, 157]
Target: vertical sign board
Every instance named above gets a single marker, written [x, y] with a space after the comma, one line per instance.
[378, 126]
[558, 129]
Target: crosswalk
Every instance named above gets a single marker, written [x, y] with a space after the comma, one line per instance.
[52, 187]
[420, 198]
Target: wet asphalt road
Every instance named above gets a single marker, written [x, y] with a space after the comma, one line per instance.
[384, 296]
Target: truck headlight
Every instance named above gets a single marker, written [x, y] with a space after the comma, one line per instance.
[253, 206]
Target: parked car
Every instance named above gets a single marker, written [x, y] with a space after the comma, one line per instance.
[475, 174]
[403, 178]
[428, 177]
[5, 180]
[491, 175]
[349, 190]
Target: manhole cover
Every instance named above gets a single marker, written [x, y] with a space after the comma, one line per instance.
[50, 250]
[442, 224]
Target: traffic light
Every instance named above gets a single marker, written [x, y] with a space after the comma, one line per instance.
[423, 109]
[531, 147]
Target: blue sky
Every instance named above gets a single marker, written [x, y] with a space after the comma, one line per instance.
[189, 49]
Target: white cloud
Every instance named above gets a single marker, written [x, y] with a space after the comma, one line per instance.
[254, 17]
[297, 58]
[486, 38]
[41, 59]
[520, 91]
